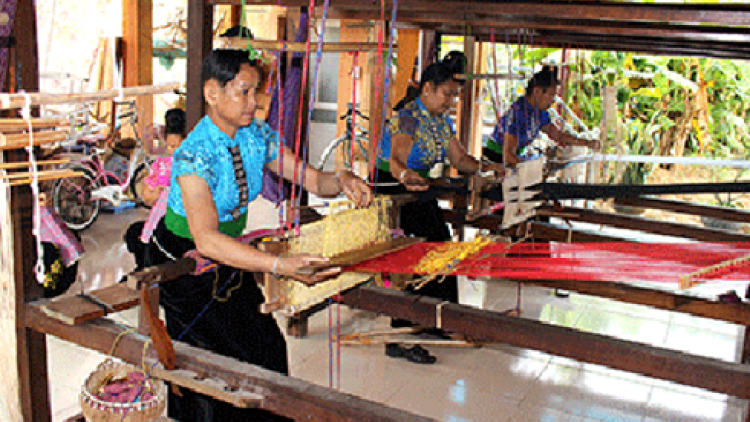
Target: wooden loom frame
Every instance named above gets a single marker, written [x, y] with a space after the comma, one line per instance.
[99, 335]
[589, 25]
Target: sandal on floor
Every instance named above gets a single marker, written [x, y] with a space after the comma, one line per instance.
[416, 354]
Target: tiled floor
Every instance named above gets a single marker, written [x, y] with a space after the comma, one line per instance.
[492, 383]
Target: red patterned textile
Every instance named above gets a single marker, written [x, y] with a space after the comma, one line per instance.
[611, 262]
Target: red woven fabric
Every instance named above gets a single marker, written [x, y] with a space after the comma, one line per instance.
[614, 262]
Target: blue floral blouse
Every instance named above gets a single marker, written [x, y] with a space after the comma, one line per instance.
[522, 120]
[431, 136]
[205, 153]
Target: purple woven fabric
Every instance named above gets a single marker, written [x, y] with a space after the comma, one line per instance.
[271, 182]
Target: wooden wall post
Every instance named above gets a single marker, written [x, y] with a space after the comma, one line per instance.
[375, 90]
[137, 30]
[465, 113]
[28, 379]
[200, 43]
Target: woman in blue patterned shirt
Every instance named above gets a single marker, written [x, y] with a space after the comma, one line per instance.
[528, 115]
[216, 172]
[420, 136]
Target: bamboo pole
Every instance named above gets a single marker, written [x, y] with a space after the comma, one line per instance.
[298, 47]
[62, 175]
[29, 174]
[20, 125]
[21, 140]
[9, 101]
[24, 164]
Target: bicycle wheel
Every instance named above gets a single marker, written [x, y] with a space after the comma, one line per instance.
[71, 198]
[136, 184]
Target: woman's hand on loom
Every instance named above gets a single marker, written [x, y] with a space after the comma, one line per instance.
[498, 168]
[354, 188]
[308, 269]
[413, 181]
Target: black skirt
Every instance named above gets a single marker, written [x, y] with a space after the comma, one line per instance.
[218, 311]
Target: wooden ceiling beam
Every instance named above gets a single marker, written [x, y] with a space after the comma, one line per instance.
[628, 28]
[611, 41]
[676, 39]
[724, 14]
[648, 46]
[714, 30]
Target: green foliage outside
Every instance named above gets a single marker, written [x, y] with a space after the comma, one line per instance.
[673, 106]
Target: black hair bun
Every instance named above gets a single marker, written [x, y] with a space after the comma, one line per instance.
[238, 31]
[455, 62]
[546, 77]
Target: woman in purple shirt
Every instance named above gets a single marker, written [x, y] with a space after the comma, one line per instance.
[528, 115]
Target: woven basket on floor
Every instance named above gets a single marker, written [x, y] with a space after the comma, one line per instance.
[96, 410]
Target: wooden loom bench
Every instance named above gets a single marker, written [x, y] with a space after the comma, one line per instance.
[222, 377]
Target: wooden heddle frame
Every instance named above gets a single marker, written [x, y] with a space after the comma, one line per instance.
[346, 235]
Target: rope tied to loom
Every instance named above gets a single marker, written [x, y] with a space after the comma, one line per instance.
[37, 219]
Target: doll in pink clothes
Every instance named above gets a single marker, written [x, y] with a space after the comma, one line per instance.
[161, 168]
[156, 191]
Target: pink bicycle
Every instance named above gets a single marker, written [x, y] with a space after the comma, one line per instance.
[78, 200]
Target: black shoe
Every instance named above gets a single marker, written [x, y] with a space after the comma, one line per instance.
[401, 323]
[562, 293]
[416, 354]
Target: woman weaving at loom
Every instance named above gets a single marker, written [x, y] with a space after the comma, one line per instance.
[518, 128]
[419, 137]
[216, 172]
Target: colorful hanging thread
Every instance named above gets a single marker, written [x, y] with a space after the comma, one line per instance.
[295, 197]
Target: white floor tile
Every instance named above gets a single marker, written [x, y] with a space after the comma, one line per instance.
[677, 405]
[452, 399]
[589, 394]
[704, 342]
[624, 326]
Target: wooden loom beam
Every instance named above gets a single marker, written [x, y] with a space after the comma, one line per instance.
[684, 207]
[11, 101]
[539, 230]
[653, 226]
[21, 140]
[300, 47]
[712, 374]
[282, 395]
[21, 125]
